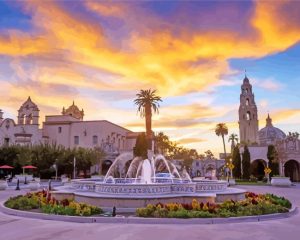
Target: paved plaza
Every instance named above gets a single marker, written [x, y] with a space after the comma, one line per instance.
[12, 227]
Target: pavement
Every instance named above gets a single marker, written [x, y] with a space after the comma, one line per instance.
[12, 227]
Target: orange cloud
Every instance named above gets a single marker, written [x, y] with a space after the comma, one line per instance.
[149, 55]
[174, 65]
[106, 8]
[186, 141]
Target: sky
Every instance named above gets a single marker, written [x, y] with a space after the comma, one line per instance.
[194, 53]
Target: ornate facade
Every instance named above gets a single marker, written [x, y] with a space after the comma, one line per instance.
[68, 129]
[288, 146]
[248, 121]
[25, 130]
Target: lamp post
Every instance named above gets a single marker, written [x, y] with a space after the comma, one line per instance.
[55, 167]
[74, 168]
[242, 152]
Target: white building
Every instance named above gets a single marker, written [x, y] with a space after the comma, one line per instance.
[26, 130]
[68, 129]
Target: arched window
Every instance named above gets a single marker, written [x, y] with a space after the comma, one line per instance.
[247, 102]
[29, 119]
[248, 116]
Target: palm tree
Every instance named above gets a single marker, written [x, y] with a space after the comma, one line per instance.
[233, 138]
[147, 101]
[222, 130]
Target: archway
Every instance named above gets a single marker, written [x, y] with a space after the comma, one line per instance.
[291, 169]
[257, 168]
[105, 166]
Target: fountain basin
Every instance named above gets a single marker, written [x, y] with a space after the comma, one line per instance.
[135, 195]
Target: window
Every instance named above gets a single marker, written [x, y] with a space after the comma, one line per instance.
[59, 129]
[95, 140]
[6, 141]
[247, 101]
[76, 140]
[29, 119]
[248, 116]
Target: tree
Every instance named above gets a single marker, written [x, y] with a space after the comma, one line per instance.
[273, 160]
[246, 163]
[98, 156]
[222, 130]
[141, 146]
[162, 143]
[233, 138]
[147, 102]
[236, 161]
[209, 154]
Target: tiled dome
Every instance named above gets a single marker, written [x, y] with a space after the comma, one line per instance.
[270, 134]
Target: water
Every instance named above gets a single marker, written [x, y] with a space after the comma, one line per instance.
[144, 170]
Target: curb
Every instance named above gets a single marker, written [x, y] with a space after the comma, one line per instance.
[139, 220]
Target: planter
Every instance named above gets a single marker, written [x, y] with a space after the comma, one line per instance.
[33, 185]
[281, 181]
[231, 181]
[3, 184]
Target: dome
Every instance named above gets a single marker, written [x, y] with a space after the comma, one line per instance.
[270, 134]
[73, 111]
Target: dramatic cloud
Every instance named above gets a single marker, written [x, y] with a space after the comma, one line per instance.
[190, 140]
[103, 52]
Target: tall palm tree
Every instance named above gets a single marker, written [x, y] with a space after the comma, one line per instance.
[222, 130]
[147, 101]
[233, 138]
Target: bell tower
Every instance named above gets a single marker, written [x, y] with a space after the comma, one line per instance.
[28, 114]
[248, 121]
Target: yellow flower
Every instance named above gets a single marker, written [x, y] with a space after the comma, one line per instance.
[195, 205]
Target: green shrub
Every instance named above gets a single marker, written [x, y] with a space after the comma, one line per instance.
[181, 213]
[279, 200]
[22, 203]
[253, 204]
[50, 205]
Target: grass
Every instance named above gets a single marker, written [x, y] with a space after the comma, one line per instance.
[259, 183]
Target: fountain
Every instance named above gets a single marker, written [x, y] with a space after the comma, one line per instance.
[135, 182]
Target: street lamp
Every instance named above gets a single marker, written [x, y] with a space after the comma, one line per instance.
[241, 152]
[55, 167]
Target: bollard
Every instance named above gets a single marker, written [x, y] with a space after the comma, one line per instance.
[114, 212]
[25, 181]
[18, 185]
[49, 185]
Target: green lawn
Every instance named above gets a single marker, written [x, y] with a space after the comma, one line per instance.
[252, 183]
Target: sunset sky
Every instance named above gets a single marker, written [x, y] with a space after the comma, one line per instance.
[100, 54]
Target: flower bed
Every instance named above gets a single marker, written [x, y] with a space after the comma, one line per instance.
[44, 202]
[253, 204]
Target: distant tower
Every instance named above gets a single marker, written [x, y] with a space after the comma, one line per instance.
[28, 113]
[248, 121]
